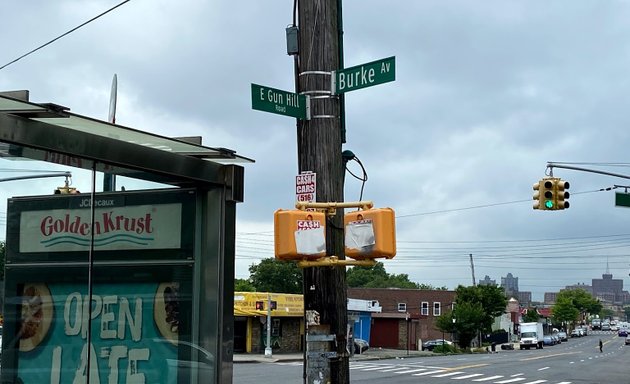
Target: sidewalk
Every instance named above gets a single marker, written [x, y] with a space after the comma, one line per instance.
[370, 354]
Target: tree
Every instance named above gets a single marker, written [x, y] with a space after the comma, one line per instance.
[377, 277]
[243, 285]
[491, 298]
[474, 311]
[464, 320]
[271, 275]
[531, 316]
[580, 300]
[564, 312]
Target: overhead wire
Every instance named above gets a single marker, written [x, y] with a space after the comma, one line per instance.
[62, 35]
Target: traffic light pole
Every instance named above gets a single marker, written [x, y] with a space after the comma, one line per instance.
[268, 350]
[319, 143]
[551, 166]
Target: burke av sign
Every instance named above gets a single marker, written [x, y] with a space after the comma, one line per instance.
[364, 75]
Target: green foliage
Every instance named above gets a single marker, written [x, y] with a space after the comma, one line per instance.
[564, 311]
[531, 316]
[444, 348]
[474, 311]
[626, 309]
[271, 275]
[570, 303]
[377, 277]
[243, 285]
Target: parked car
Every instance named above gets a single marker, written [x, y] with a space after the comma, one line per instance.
[360, 346]
[576, 333]
[623, 332]
[431, 344]
[605, 326]
[556, 339]
[548, 340]
[562, 336]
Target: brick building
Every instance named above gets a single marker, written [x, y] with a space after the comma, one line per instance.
[408, 315]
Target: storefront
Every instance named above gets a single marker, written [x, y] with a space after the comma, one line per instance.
[287, 321]
[115, 285]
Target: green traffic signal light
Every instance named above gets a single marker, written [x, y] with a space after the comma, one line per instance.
[549, 204]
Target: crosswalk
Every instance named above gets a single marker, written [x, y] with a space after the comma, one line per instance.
[449, 373]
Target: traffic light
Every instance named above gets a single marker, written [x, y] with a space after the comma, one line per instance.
[544, 195]
[260, 305]
[66, 191]
[561, 194]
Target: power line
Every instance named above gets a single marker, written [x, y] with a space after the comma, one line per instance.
[65, 34]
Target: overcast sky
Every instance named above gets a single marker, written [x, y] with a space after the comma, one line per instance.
[486, 93]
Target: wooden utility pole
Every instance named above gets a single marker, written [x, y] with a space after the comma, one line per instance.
[319, 150]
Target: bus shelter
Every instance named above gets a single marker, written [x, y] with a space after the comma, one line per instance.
[121, 269]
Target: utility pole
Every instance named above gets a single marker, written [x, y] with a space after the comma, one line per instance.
[472, 268]
[319, 143]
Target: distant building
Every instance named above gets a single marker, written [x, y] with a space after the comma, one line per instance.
[524, 298]
[608, 289]
[510, 285]
[488, 281]
[550, 298]
[583, 286]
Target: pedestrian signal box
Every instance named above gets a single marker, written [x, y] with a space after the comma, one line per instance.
[299, 235]
[370, 233]
[260, 305]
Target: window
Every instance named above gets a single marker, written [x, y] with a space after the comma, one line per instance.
[436, 308]
[402, 307]
[424, 308]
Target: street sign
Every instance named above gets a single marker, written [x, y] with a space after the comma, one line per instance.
[364, 75]
[280, 102]
[622, 199]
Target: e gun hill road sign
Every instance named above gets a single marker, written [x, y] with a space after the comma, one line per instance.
[364, 75]
[281, 102]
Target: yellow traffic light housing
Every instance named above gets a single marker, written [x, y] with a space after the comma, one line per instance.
[299, 235]
[544, 195]
[550, 194]
[561, 193]
[370, 233]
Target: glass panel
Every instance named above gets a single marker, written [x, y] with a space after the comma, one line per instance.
[45, 248]
[100, 286]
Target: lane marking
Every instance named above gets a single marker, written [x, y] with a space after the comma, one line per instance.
[543, 368]
[511, 380]
[449, 374]
[467, 376]
[412, 370]
[536, 382]
[546, 356]
[489, 378]
[427, 373]
[379, 367]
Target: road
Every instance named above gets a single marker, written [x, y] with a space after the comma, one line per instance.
[577, 361]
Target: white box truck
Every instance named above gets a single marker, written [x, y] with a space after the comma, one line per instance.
[531, 335]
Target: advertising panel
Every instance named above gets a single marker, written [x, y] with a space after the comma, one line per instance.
[134, 333]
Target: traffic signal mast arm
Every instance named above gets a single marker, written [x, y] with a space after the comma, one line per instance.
[551, 166]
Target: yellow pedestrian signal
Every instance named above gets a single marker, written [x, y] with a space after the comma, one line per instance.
[370, 233]
[299, 235]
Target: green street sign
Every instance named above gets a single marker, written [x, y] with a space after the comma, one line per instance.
[622, 199]
[364, 75]
[273, 100]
